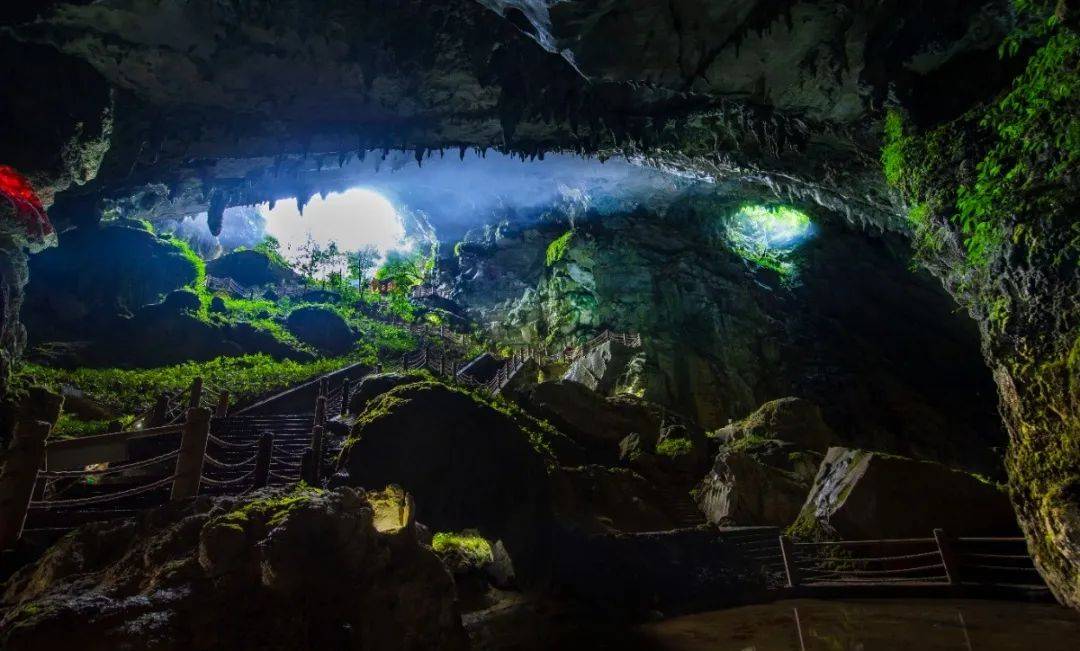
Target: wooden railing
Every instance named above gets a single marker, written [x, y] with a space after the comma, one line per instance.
[938, 560]
[36, 471]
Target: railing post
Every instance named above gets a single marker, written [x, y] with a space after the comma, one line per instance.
[22, 462]
[196, 393]
[316, 452]
[222, 405]
[189, 463]
[307, 467]
[345, 386]
[262, 459]
[320, 411]
[948, 556]
[157, 414]
[787, 551]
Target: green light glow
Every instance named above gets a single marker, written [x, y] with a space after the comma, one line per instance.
[766, 235]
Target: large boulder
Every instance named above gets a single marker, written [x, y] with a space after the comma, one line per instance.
[860, 494]
[741, 490]
[78, 289]
[373, 386]
[603, 369]
[249, 267]
[322, 328]
[469, 465]
[288, 571]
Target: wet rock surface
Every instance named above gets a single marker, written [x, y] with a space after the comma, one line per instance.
[272, 571]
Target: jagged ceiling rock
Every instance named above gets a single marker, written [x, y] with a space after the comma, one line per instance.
[230, 103]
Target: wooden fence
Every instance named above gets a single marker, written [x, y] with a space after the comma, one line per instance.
[180, 457]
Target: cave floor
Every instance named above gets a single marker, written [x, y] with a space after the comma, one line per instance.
[880, 625]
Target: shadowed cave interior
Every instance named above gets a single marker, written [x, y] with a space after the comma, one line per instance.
[537, 324]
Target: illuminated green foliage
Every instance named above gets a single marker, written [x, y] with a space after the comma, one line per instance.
[674, 447]
[557, 249]
[468, 544]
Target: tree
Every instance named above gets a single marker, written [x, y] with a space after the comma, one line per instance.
[362, 263]
[315, 261]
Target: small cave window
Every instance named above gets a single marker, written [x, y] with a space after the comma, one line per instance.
[767, 235]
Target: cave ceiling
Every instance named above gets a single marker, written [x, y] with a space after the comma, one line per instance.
[215, 104]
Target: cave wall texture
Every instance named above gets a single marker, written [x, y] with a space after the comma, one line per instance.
[162, 106]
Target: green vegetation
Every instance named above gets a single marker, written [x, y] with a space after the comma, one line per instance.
[767, 235]
[1028, 141]
[199, 284]
[132, 391]
[558, 247]
[468, 544]
[673, 447]
[892, 154]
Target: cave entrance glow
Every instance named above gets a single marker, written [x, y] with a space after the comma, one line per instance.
[767, 235]
[352, 220]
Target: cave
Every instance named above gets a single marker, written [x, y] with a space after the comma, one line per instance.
[539, 324]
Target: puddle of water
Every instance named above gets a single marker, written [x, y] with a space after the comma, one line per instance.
[871, 625]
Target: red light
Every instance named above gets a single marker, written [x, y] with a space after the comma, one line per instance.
[28, 209]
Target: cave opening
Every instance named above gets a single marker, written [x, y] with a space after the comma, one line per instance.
[536, 324]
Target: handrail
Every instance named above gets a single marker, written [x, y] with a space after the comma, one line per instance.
[837, 563]
[112, 437]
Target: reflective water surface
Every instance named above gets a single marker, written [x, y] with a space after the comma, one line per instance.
[873, 625]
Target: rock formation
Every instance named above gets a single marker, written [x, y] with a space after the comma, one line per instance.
[298, 570]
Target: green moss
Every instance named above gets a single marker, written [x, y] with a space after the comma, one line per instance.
[557, 249]
[468, 544]
[892, 153]
[807, 527]
[674, 447]
[271, 510]
[198, 285]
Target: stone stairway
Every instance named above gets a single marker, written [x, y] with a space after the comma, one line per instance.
[292, 436]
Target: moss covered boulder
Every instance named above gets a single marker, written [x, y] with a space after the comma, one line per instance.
[249, 267]
[280, 570]
[470, 464]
